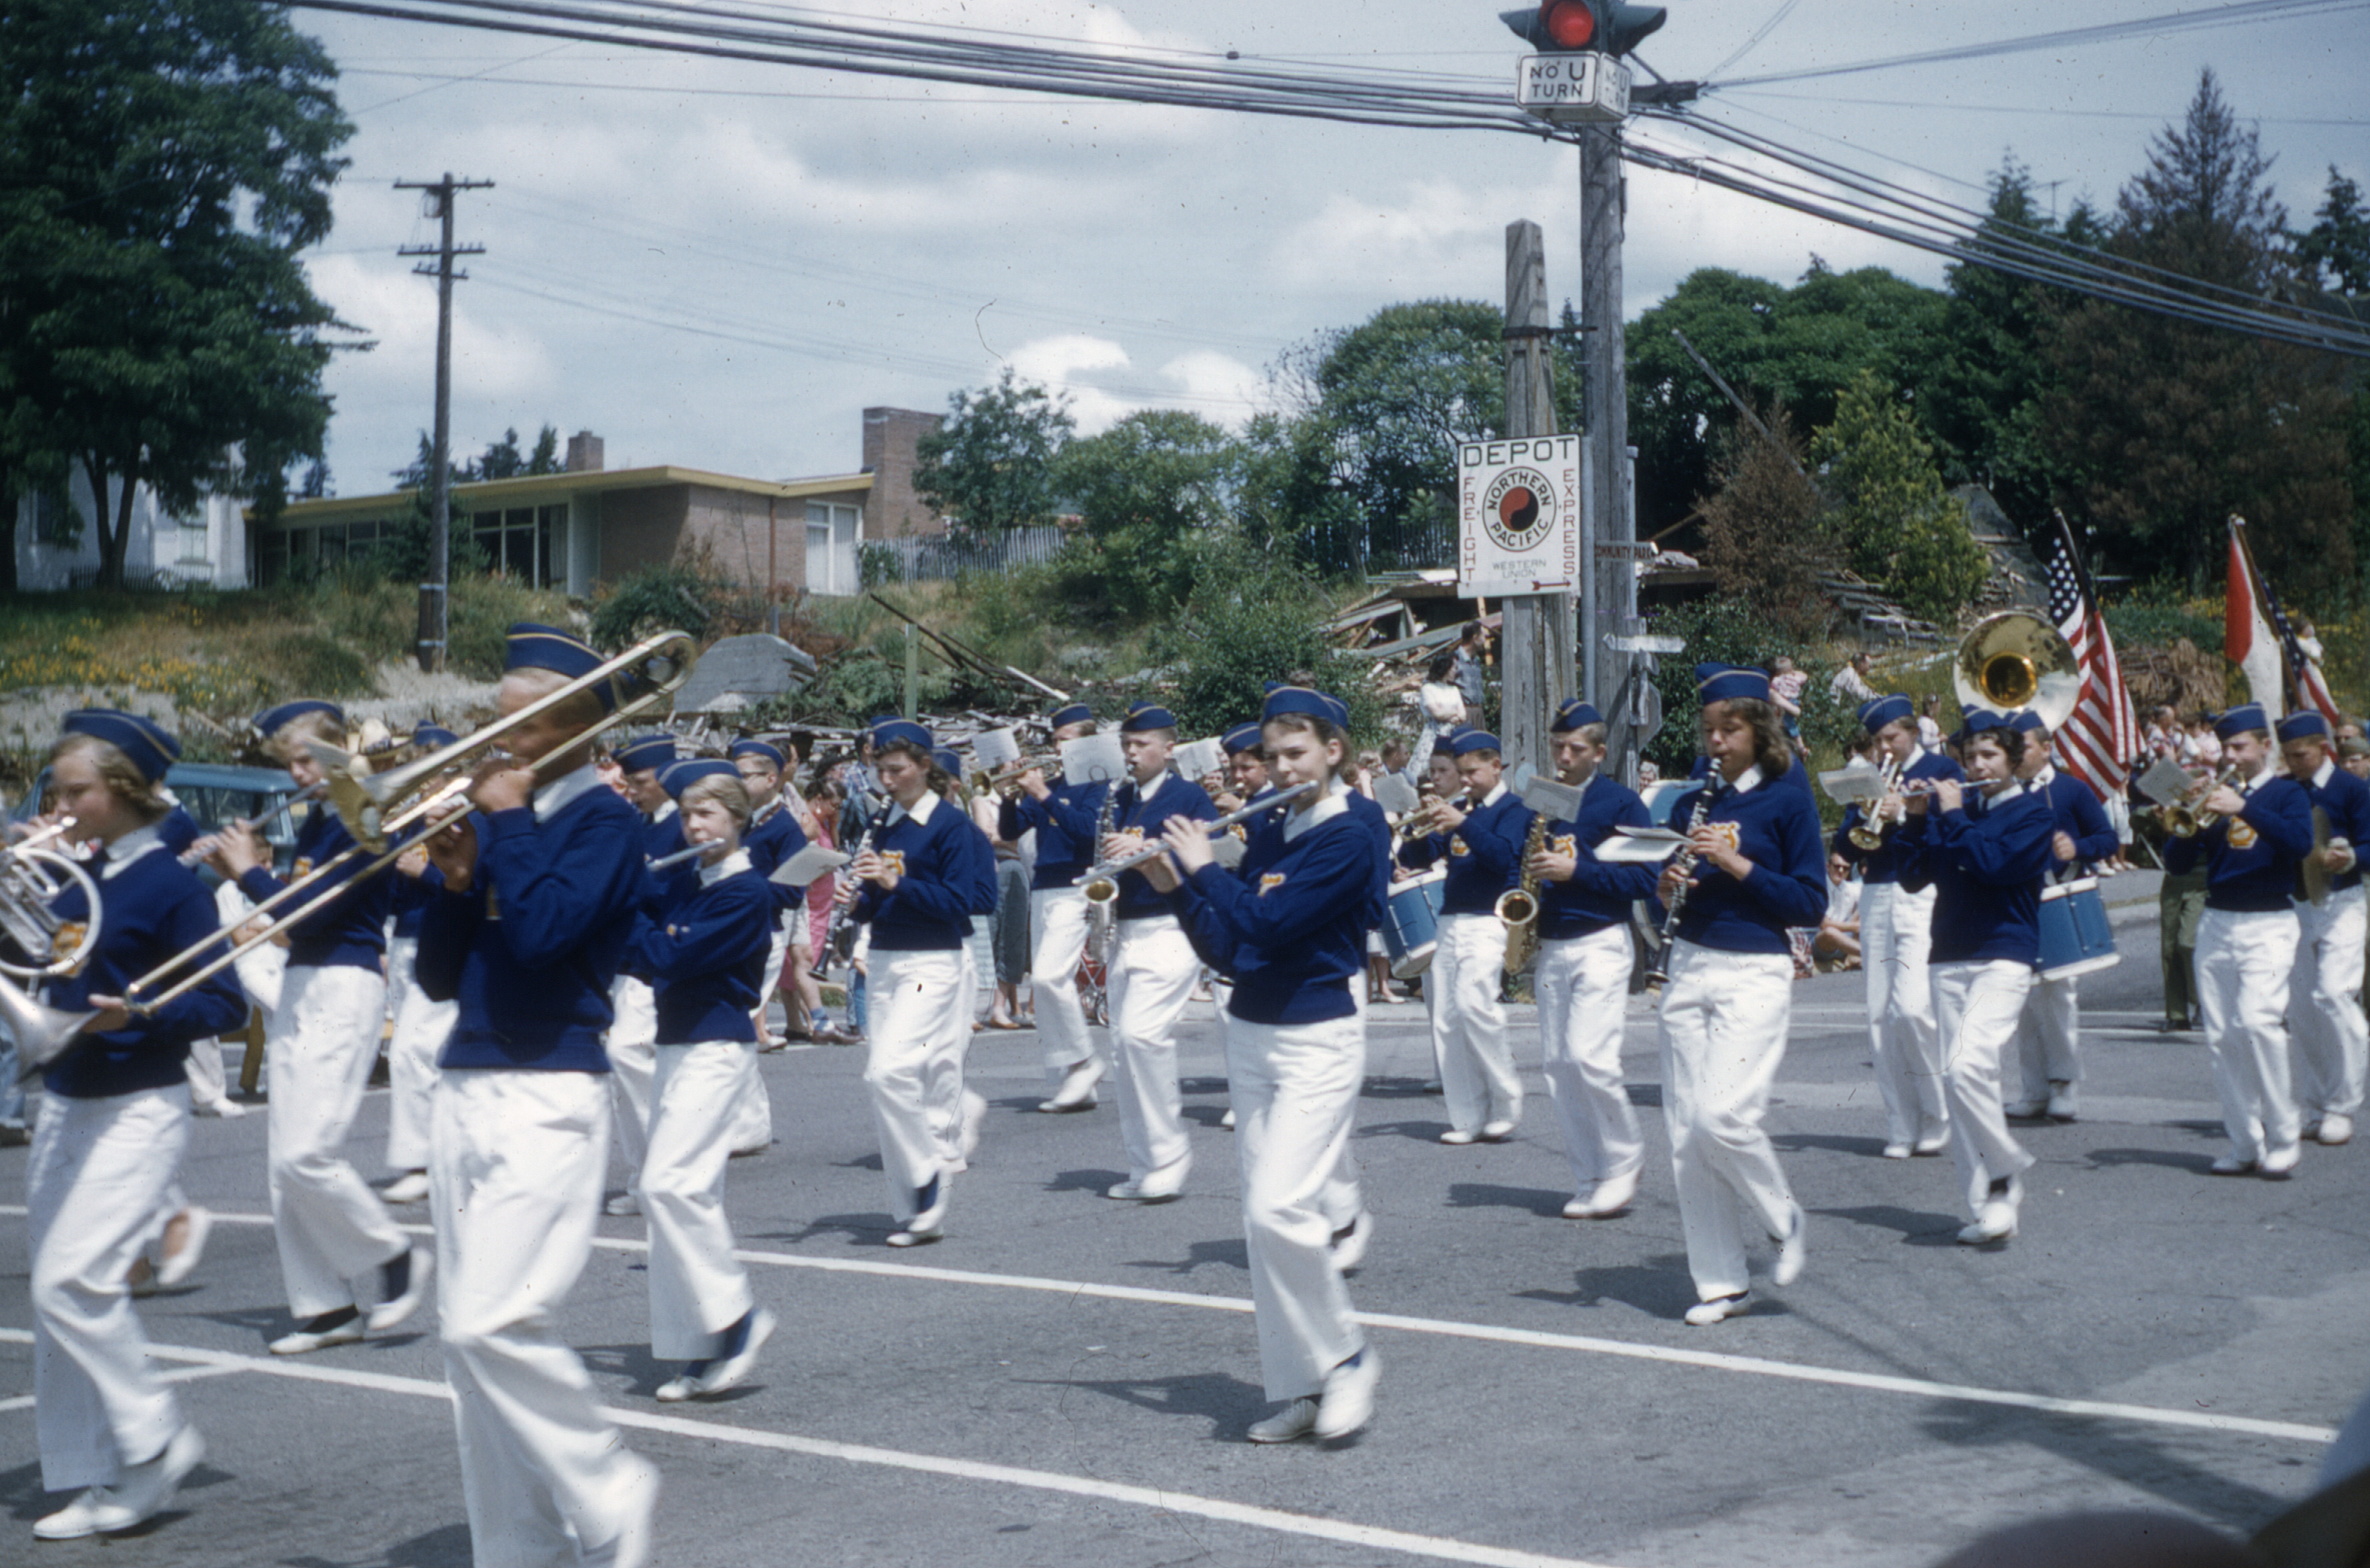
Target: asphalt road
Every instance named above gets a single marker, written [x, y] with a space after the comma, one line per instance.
[1066, 1380]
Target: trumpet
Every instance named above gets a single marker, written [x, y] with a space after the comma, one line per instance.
[32, 877]
[658, 665]
[1867, 834]
[999, 779]
[1101, 881]
[2187, 819]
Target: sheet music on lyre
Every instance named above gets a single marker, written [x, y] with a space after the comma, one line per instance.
[1196, 760]
[1091, 759]
[995, 748]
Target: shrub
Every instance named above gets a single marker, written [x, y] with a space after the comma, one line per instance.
[1254, 620]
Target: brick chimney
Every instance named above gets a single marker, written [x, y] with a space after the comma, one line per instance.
[894, 511]
[584, 455]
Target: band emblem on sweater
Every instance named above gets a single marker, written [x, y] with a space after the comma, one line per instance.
[895, 859]
[1269, 883]
[2242, 833]
[1726, 832]
[69, 937]
[1457, 846]
[1563, 844]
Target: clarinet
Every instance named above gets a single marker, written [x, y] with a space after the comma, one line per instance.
[1684, 862]
[839, 938]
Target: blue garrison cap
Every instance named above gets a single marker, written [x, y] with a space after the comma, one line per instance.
[2302, 723]
[1076, 713]
[646, 752]
[269, 721]
[1980, 720]
[1240, 739]
[948, 760]
[2026, 721]
[1282, 699]
[533, 647]
[1465, 742]
[1143, 716]
[144, 741]
[2239, 719]
[435, 736]
[1729, 682]
[757, 748]
[681, 776]
[1875, 715]
[891, 731]
[1574, 714]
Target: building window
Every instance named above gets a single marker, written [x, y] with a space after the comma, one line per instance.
[54, 520]
[528, 543]
[193, 541]
[833, 533]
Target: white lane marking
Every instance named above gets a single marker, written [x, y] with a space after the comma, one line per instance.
[1442, 1548]
[179, 1375]
[1716, 1361]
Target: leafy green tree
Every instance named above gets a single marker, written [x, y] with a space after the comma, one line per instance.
[2172, 426]
[162, 164]
[1767, 535]
[2335, 249]
[990, 465]
[1898, 525]
[1151, 491]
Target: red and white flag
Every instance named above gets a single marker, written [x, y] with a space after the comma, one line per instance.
[2282, 673]
[2099, 740]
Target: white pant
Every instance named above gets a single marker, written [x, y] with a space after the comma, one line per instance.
[1582, 985]
[698, 1289]
[209, 1085]
[2325, 1004]
[1468, 1023]
[1152, 974]
[632, 1045]
[1058, 915]
[915, 1033]
[1895, 933]
[421, 1027]
[331, 1227]
[99, 1173]
[514, 1173]
[259, 969]
[2048, 1037]
[1977, 1005]
[1295, 1095]
[2243, 963]
[1723, 1033]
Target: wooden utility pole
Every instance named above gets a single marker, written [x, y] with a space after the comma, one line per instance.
[435, 595]
[1613, 604]
[1536, 643]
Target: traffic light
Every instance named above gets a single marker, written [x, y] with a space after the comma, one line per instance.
[1569, 27]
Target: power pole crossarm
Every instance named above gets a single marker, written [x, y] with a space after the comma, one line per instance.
[435, 595]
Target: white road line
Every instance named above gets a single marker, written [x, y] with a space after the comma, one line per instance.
[1442, 1547]
[179, 1375]
[1716, 1361]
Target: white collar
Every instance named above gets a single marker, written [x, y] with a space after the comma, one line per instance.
[731, 865]
[762, 813]
[551, 798]
[1748, 779]
[921, 811]
[661, 815]
[2045, 776]
[1146, 791]
[1497, 793]
[1335, 801]
[129, 848]
[2320, 774]
[2271, 771]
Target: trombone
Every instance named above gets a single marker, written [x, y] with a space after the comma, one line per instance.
[658, 665]
[1101, 881]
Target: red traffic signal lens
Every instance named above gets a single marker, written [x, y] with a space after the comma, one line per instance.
[1572, 24]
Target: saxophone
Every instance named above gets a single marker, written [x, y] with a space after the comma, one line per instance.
[1103, 915]
[1519, 906]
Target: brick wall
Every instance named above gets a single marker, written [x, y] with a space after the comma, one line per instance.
[893, 510]
[641, 527]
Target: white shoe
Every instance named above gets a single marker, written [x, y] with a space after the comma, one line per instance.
[1458, 1136]
[81, 1516]
[228, 1110]
[147, 1488]
[1295, 1419]
[180, 1263]
[1608, 1198]
[1350, 1243]
[1791, 1250]
[411, 1187]
[1896, 1151]
[403, 1285]
[1497, 1132]
[1933, 1137]
[2025, 1110]
[1704, 1313]
[1995, 1221]
[929, 1214]
[1077, 1090]
[1144, 1190]
[2334, 1130]
[1228, 1121]
[2065, 1105]
[2279, 1162]
[727, 1368]
[2232, 1165]
[305, 1340]
[637, 1494]
[1348, 1403]
[623, 1205]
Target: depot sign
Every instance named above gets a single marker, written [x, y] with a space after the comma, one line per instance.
[1518, 516]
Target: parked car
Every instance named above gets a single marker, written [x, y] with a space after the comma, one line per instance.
[214, 794]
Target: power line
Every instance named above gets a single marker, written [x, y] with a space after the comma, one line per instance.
[2013, 109]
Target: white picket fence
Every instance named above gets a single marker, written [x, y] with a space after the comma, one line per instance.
[933, 558]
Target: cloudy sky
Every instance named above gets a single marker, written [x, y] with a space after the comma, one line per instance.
[718, 265]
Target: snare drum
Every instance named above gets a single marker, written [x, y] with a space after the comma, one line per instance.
[2076, 937]
[1412, 922]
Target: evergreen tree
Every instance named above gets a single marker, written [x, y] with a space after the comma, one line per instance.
[1896, 523]
[2335, 252]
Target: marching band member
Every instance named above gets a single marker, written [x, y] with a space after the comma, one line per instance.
[1153, 964]
[774, 835]
[632, 1043]
[2246, 943]
[1895, 926]
[2048, 1040]
[1290, 926]
[1985, 854]
[929, 870]
[705, 953]
[541, 892]
[420, 1025]
[1483, 843]
[1583, 978]
[1062, 816]
[2326, 994]
[1757, 871]
[110, 1137]
[323, 1039]
[1247, 780]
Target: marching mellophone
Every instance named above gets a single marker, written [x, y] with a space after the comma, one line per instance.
[32, 875]
[1101, 881]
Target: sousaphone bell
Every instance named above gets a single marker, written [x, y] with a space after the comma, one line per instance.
[2014, 659]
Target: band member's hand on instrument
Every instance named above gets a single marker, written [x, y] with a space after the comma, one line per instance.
[1949, 794]
[1162, 874]
[453, 852]
[1404, 874]
[1119, 845]
[1188, 844]
[1227, 800]
[2062, 843]
[502, 786]
[1674, 877]
[1034, 782]
[874, 869]
[1549, 866]
[237, 849]
[2226, 802]
[1712, 847]
[1444, 817]
[112, 1016]
[2339, 856]
[413, 863]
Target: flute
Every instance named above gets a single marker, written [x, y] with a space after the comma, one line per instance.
[1101, 881]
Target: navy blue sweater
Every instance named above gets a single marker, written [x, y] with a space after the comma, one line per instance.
[531, 949]
[2347, 800]
[771, 840]
[2252, 857]
[1062, 854]
[706, 951]
[946, 870]
[152, 907]
[346, 923]
[1775, 826]
[1146, 811]
[1290, 923]
[1988, 859]
[2076, 813]
[1484, 855]
[1599, 893]
[1882, 864]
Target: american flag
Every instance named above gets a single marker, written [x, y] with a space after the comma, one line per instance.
[2103, 736]
[2304, 687]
